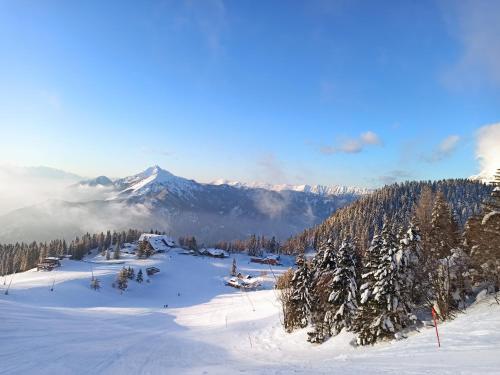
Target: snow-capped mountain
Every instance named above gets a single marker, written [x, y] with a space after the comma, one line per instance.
[313, 189]
[153, 180]
[155, 198]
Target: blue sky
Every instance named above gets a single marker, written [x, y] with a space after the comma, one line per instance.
[331, 92]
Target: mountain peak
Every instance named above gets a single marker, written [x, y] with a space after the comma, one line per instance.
[155, 170]
[154, 179]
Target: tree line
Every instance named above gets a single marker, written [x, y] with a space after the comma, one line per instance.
[20, 257]
[255, 245]
[359, 220]
[408, 269]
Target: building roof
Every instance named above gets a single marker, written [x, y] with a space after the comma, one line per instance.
[158, 242]
[215, 252]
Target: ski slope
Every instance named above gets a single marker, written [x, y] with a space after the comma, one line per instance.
[207, 328]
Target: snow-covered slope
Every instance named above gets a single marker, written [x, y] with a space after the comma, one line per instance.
[207, 328]
[314, 189]
[152, 180]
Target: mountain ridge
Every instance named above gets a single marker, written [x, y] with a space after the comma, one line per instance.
[306, 188]
[155, 198]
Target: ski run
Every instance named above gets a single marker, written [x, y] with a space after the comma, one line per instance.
[186, 320]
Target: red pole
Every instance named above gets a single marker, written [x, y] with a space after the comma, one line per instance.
[436, 325]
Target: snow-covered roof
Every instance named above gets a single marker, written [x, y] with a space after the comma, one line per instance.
[215, 252]
[158, 242]
[272, 256]
[246, 282]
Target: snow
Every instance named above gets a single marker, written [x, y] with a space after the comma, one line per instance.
[207, 328]
[158, 242]
[214, 252]
[322, 190]
[482, 295]
[155, 179]
[488, 216]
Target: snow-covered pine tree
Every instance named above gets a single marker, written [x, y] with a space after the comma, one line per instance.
[327, 263]
[139, 277]
[343, 296]
[483, 239]
[384, 310]
[413, 274]
[367, 312]
[301, 294]
[323, 266]
[108, 255]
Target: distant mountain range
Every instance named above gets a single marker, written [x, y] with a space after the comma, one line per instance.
[155, 198]
[323, 190]
[159, 177]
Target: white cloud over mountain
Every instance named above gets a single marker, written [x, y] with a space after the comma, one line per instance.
[488, 150]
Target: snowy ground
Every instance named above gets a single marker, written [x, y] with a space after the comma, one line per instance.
[207, 328]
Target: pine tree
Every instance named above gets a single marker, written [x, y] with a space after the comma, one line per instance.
[327, 262]
[252, 246]
[301, 298]
[122, 279]
[139, 277]
[444, 229]
[108, 255]
[130, 273]
[116, 253]
[234, 270]
[412, 270]
[144, 249]
[384, 310]
[343, 296]
[483, 239]
[324, 264]
[443, 243]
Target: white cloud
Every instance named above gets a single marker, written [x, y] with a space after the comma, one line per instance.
[476, 26]
[24, 186]
[370, 138]
[353, 145]
[271, 170]
[444, 149]
[488, 150]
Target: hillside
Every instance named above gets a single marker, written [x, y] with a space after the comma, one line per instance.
[206, 328]
[360, 219]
